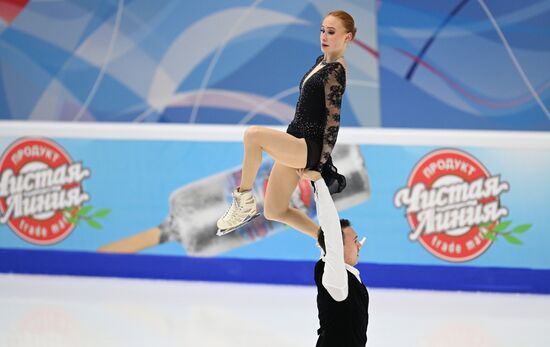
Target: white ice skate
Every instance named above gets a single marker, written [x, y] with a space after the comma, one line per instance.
[242, 211]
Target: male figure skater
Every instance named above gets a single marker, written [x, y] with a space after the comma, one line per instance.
[342, 299]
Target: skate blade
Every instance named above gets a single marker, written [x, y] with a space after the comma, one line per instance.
[222, 232]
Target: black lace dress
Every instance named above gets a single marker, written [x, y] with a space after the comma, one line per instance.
[317, 119]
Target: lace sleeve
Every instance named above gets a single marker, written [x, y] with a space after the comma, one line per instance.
[335, 84]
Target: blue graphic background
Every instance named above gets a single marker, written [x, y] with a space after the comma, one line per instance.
[465, 64]
[444, 64]
[174, 61]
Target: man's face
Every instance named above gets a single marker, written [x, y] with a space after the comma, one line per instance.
[351, 246]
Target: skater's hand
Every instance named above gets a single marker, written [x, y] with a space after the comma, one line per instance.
[309, 174]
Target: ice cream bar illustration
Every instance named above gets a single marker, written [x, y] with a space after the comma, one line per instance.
[195, 207]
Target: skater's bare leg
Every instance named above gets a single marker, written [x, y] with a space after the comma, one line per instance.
[282, 182]
[282, 147]
[287, 151]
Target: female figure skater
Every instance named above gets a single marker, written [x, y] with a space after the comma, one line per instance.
[307, 143]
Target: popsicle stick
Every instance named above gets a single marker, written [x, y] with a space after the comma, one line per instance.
[135, 243]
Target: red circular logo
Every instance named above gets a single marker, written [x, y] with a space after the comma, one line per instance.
[448, 196]
[39, 186]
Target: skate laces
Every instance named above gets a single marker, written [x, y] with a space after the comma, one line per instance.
[241, 202]
[232, 208]
[238, 212]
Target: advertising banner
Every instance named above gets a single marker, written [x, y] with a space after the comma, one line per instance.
[417, 205]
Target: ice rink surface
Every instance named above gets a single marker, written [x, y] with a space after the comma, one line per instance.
[87, 311]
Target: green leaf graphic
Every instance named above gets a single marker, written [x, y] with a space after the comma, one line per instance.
[93, 224]
[522, 228]
[512, 239]
[73, 220]
[486, 225]
[491, 236]
[84, 210]
[502, 226]
[102, 213]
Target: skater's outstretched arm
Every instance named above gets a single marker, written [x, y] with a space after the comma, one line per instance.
[335, 277]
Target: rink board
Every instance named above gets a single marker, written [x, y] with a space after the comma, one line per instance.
[134, 171]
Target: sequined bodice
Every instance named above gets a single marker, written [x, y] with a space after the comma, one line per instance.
[317, 116]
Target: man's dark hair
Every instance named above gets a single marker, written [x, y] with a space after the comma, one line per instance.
[344, 223]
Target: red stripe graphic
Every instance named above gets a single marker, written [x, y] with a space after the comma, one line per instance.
[10, 9]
